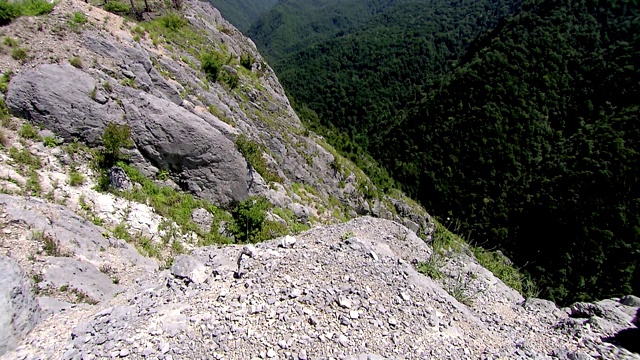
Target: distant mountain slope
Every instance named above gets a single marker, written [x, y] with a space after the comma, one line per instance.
[533, 143]
[293, 25]
[242, 13]
[361, 81]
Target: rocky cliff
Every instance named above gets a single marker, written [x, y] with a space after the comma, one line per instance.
[93, 270]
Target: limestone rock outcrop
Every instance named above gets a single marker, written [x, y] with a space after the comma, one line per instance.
[19, 310]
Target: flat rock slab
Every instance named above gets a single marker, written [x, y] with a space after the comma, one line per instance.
[188, 267]
[19, 311]
[82, 277]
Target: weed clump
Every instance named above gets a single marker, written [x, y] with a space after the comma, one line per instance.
[211, 65]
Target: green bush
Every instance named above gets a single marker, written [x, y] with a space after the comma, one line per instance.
[79, 18]
[173, 22]
[29, 131]
[252, 151]
[211, 64]
[4, 81]
[36, 7]
[249, 216]
[247, 61]
[12, 10]
[19, 54]
[114, 138]
[117, 7]
[8, 12]
[76, 62]
[231, 80]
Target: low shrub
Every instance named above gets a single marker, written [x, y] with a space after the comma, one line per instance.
[211, 64]
[29, 131]
[117, 7]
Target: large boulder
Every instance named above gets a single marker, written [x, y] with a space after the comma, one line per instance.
[19, 310]
[73, 104]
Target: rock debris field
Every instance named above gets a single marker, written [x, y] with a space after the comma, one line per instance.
[348, 291]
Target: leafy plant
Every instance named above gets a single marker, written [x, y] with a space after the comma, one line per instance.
[117, 7]
[114, 138]
[28, 131]
[211, 64]
[51, 141]
[173, 21]
[252, 151]
[246, 60]
[347, 235]
[76, 62]
[19, 54]
[231, 79]
[75, 177]
[249, 216]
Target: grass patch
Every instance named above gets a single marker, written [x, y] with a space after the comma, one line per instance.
[24, 157]
[504, 270]
[75, 177]
[174, 205]
[295, 227]
[30, 132]
[253, 151]
[9, 11]
[50, 246]
[117, 7]
[460, 289]
[76, 62]
[19, 54]
[121, 231]
[4, 79]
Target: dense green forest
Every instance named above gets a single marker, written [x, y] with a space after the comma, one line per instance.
[291, 26]
[520, 121]
[362, 81]
[532, 141]
[242, 13]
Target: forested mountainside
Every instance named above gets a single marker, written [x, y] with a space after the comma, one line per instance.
[292, 26]
[532, 142]
[242, 14]
[526, 133]
[360, 82]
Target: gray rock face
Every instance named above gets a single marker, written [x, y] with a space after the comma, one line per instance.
[81, 277]
[203, 219]
[168, 136]
[119, 179]
[172, 138]
[43, 95]
[630, 300]
[190, 268]
[19, 311]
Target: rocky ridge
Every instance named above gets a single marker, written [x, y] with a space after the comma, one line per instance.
[183, 125]
[346, 291]
[75, 284]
